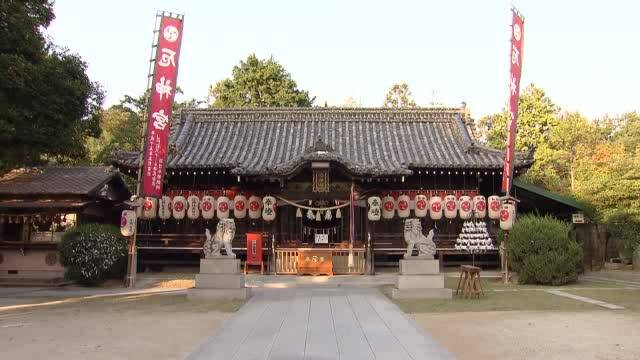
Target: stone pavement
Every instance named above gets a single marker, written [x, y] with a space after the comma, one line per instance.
[319, 323]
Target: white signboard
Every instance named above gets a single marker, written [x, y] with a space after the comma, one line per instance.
[578, 218]
[322, 238]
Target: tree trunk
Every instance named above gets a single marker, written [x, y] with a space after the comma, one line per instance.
[572, 174]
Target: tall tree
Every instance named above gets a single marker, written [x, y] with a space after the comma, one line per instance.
[557, 158]
[121, 131]
[610, 180]
[537, 115]
[626, 131]
[258, 83]
[48, 105]
[139, 104]
[121, 126]
[399, 96]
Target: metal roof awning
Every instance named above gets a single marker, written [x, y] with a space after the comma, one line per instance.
[535, 198]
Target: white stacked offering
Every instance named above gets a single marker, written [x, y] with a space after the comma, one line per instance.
[474, 238]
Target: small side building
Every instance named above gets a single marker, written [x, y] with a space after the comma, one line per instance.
[37, 205]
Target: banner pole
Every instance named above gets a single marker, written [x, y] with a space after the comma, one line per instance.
[515, 72]
[132, 260]
[159, 97]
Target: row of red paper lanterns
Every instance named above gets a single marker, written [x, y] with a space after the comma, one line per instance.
[193, 207]
[430, 193]
[437, 207]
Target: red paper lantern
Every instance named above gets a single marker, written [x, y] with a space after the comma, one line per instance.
[223, 207]
[494, 207]
[255, 206]
[507, 216]
[403, 206]
[388, 207]
[435, 208]
[240, 206]
[450, 207]
[421, 205]
[208, 205]
[480, 206]
[466, 207]
[179, 207]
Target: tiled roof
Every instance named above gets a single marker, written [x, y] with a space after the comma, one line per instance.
[366, 141]
[55, 180]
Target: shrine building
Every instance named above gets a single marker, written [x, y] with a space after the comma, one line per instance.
[336, 181]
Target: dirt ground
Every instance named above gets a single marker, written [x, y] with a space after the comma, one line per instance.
[132, 327]
[536, 335]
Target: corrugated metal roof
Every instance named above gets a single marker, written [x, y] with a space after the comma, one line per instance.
[366, 141]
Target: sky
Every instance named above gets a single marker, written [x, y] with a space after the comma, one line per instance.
[584, 54]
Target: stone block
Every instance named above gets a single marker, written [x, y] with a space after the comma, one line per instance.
[418, 266]
[220, 265]
[442, 293]
[220, 281]
[211, 294]
[420, 281]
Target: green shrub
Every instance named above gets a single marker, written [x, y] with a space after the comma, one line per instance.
[542, 252]
[625, 232]
[93, 252]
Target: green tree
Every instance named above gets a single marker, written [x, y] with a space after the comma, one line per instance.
[537, 115]
[121, 127]
[626, 131]
[139, 104]
[556, 160]
[610, 180]
[121, 130]
[258, 83]
[48, 104]
[399, 96]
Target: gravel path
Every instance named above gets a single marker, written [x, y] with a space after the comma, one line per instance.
[536, 335]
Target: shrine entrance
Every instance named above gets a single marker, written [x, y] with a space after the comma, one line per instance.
[319, 242]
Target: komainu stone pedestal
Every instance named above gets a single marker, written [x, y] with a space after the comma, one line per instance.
[219, 278]
[420, 278]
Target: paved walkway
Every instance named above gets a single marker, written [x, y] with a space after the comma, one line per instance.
[319, 323]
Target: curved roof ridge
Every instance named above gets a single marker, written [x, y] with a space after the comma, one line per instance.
[431, 114]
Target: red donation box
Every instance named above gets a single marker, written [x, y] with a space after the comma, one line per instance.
[254, 251]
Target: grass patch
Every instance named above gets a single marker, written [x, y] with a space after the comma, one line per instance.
[168, 303]
[496, 284]
[494, 301]
[141, 303]
[629, 298]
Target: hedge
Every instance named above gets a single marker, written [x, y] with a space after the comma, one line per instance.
[541, 251]
[93, 252]
[625, 232]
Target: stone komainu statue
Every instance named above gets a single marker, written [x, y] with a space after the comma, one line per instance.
[413, 237]
[225, 231]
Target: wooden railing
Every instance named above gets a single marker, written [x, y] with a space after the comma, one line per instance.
[341, 262]
[287, 261]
